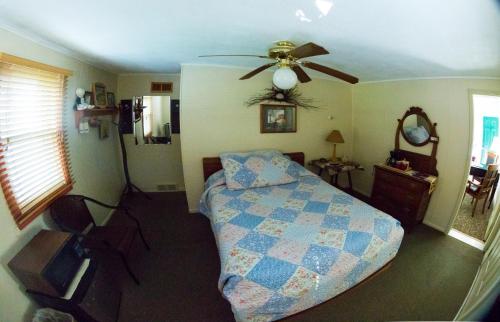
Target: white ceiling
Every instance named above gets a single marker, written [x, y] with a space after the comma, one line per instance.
[374, 40]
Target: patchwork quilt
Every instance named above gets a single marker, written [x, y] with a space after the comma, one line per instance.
[289, 247]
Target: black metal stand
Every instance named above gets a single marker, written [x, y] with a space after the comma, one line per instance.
[129, 186]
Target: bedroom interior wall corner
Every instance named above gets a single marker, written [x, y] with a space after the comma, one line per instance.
[377, 106]
[215, 119]
[95, 165]
[152, 164]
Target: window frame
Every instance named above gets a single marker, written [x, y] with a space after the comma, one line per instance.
[42, 201]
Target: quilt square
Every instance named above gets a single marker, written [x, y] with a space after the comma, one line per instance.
[301, 282]
[320, 258]
[344, 264]
[331, 238]
[281, 193]
[356, 242]
[277, 303]
[339, 209]
[301, 233]
[304, 195]
[361, 223]
[232, 193]
[250, 196]
[309, 218]
[290, 186]
[272, 201]
[272, 227]
[316, 206]
[229, 235]
[297, 204]
[305, 187]
[225, 214]
[288, 250]
[271, 272]
[382, 228]
[246, 220]
[358, 272]
[336, 222]
[259, 210]
[343, 199]
[238, 204]
[240, 261]
[321, 197]
[245, 177]
[248, 295]
[256, 242]
[284, 214]
[373, 250]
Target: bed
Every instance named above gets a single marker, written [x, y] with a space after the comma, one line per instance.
[286, 248]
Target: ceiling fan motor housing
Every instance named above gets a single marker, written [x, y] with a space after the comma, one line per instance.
[281, 49]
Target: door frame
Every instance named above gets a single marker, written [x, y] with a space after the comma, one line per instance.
[458, 203]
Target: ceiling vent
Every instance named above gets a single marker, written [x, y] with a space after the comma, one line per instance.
[161, 87]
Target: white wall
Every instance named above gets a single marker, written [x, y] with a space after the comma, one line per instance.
[215, 119]
[152, 164]
[94, 166]
[376, 108]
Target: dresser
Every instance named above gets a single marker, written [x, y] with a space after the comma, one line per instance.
[404, 195]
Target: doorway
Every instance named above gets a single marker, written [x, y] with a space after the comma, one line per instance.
[480, 193]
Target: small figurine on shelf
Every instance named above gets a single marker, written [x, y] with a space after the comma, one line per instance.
[80, 103]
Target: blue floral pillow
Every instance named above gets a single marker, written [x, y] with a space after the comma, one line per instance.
[250, 170]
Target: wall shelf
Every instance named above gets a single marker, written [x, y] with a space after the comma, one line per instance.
[94, 113]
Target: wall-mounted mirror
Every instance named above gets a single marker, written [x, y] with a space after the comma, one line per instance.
[416, 127]
[153, 124]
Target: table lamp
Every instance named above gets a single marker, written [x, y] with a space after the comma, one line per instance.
[335, 137]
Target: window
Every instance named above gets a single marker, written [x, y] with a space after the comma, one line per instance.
[34, 167]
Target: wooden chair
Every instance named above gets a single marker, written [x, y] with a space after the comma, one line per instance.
[71, 214]
[481, 190]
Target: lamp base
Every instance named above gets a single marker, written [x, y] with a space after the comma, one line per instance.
[334, 154]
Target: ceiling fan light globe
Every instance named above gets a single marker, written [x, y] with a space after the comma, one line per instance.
[285, 78]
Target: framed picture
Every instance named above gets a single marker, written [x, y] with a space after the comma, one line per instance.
[88, 98]
[278, 118]
[100, 99]
[110, 96]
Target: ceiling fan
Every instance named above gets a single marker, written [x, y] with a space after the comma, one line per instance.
[288, 57]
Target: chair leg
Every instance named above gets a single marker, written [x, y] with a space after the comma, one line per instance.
[127, 267]
[474, 207]
[484, 204]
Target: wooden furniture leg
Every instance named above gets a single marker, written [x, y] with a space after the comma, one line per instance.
[350, 179]
[474, 200]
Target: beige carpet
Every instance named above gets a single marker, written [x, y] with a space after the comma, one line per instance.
[472, 226]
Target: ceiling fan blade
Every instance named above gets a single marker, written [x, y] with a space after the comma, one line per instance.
[308, 50]
[258, 70]
[301, 74]
[259, 56]
[330, 71]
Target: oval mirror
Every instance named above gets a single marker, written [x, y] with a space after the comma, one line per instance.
[416, 129]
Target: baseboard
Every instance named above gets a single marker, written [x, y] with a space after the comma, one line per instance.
[430, 224]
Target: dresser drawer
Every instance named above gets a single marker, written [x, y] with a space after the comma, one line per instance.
[402, 197]
[400, 181]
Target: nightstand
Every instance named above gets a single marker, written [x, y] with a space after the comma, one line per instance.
[335, 168]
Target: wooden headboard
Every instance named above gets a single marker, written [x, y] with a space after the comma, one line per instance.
[212, 165]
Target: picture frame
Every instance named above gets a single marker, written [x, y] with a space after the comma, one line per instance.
[278, 118]
[110, 97]
[88, 98]
[100, 99]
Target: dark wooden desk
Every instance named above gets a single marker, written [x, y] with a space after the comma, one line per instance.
[479, 170]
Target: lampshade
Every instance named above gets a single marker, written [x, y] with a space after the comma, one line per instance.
[284, 78]
[335, 137]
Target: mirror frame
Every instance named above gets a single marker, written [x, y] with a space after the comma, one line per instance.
[433, 137]
[417, 112]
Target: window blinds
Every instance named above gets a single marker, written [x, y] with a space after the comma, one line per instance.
[34, 167]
